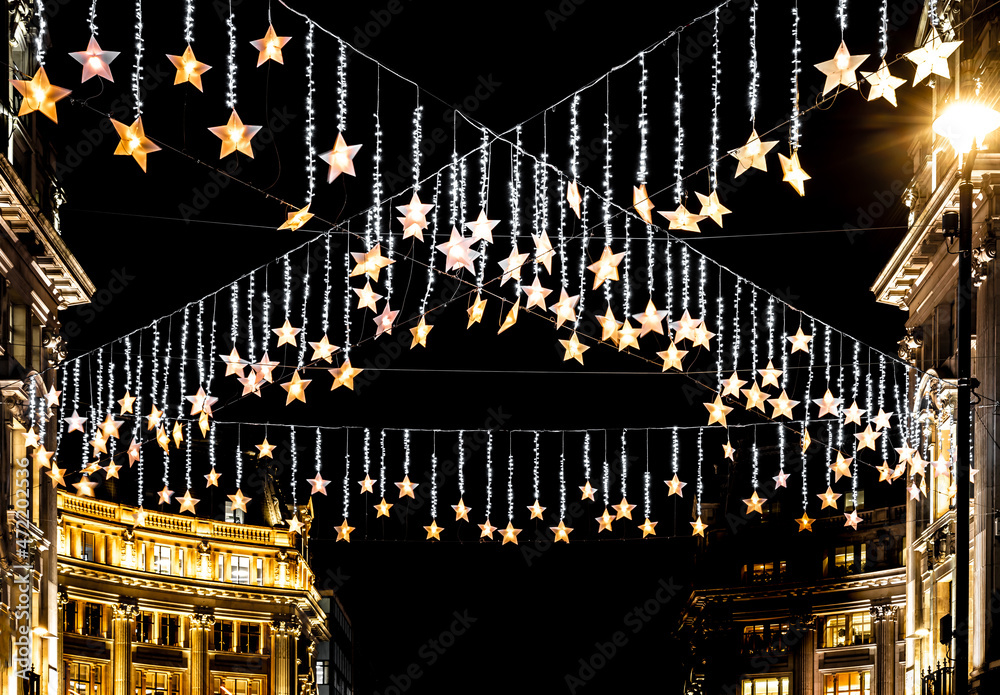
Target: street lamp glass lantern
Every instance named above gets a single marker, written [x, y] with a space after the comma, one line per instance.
[964, 123]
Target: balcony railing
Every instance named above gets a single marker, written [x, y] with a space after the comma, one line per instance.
[938, 681]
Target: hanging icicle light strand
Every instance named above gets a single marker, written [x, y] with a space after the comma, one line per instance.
[678, 132]
[842, 16]
[231, 60]
[883, 34]
[342, 87]
[137, 67]
[713, 147]
[347, 473]
[310, 116]
[534, 470]
[461, 464]
[42, 30]
[92, 17]
[754, 70]
[188, 20]
[795, 122]
[418, 112]
[489, 472]
[643, 122]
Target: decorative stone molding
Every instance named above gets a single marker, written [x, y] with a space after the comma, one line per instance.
[203, 620]
[125, 610]
[883, 611]
[285, 628]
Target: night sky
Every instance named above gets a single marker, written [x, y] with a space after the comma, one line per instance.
[461, 615]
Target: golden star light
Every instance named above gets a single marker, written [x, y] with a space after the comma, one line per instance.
[511, 266]
[265, 449]
[698, 528]
[648, 527]
[235, 136]
[367, 297]
[75, 422]
[805, 523]
[866, 439]
[853, 414]
[882, 420]
[43, 458]
[414, 219]
[916, 490]
[755, 503]
[752, 154]
[562, 532]
[769, 375]
[52, 397]
[932, 58]
[234, 364]
[782, 406]
[476, 311]
[203, 423]
[366, 484]
[755, 397]
[286, 334]
[163, 439]
[95, 61]
[384, 321]
[165, 495]
[433, 531]
[917, 465]
[461, 511]
[509, 534]
[628, 336]
[711, 208]
[606, 267]
[840, 69]
[133, 141]
[651, 319]
[682, 219]
[340, 159]
[781, 479]
[536, 510]
[728, 451]
[344, 375]
[574, 349]
[793, 173]
[487, 530]
[56, 475]
[294, 525]
[382, 508]
[829, 498]
[296, 218]
[406, 488]
[85, 487]
[536, 294]
[239, 500]
[642, 204]
[676, 486]
[827, 404]
[482, 228]
[732, 386]
[573, 198]
[841, 467]
[458, 252]
[940, 467]
[799, 341]
[565, 308]
[623, 510]
[188, 68]
[702, 336]
[852, 519]
[884, 472]
[187, 502]
[212, 478]
[251, 383]
[717, 411]
[99, 444]
[91, 468]
[344, 532]
[31, 436]
[39, 95]
[806, 440]
[177, 433]
[604, 520]
[543, 250]
[197, 401]
[420, 333]
[270, 46]
[882, 83]
[685, 327]
[111, 470]
[672, 358]
[317, 484]
[133, 452]
[265, 368]
[511, 318]
[609, 325]
[323, 350]
[588, 492]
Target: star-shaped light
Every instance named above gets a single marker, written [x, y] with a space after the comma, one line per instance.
[866, 439]
[133, 141]
[805, 523]
[344, 532]
[52, 397]
[239, 500]
[511, 266]
[461, 511]
[39, 95]
[212, 478]
[752, 154]
[482, 228]
[264, 449]
[31, 436]
[732, 386]
[366, 484]
[323, 350]
[882, 420]
[755, 503]
[187, 502]
[852, 519]
[177, 433]
[588, 492]
[286, 334]
[543, 250]
[99, 444]
[565, 308]
[932, 58]
[85, 487]
[755, 397]
[340, 159]
[317, 484]
[95, 61]
[370, 263]
[623, 510]
[234, 364]
[676, 486]
[799, 341]
[163, 439]
[917, 465]
[684, 327]
[574, 348]
[414, 217]
[75, 422]
[91, 467]
[628, 336]
[609, 325]
[265, 369]
[829, 498]
[43, 458]
[941, 467]
[806, 440]
[651, 319]
[153, 419]
[827, 404]
[711, 208]
[433, 531]
[606, 267]
[133, 452]
[384, 321]
[682, 219]
[648, 527]
[487, 530]
[111, 470]
[562, 532]
[406, 488]
[296, 388]
[905, 453]
[458, 252]
[270, 46]
[511, 318]
[573, 198]
[476, 310]
[56, 475]
[782, 405]
[853, 414]
[769, 375]
[139, 519]
[701, 336]
[294, 525]
[536, 510]
[165, 495]
[251, 383]
[510, 534]
[109, 428]
[367, 297]
[841, 467]
[793, 173]
[717, 411]
[420, 333]
[781, 479]
[604, 520]
[883, 83]
[698, 528]
[728, 451]
[188, 68]
[885, 472]
[536, 294]
[382, 508]
[915, 490]
[672, 357]
[235, 136]
[296, 218]
[344, 375]
[840, 69]
[642, 204]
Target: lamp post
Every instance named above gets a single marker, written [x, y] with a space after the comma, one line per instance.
[964, 125]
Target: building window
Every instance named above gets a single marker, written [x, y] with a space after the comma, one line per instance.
[322, 672]
[764, 638]
[158, 683]
[239, 569]
[847, 683]
[850, 559]
[69, 617]
[764, 572]
[220, 568]
[92, 620]
[170, 630]
[84, 678]
[142, 556]
[259, 570]
[223, 636]
[249, 638]
[89, 553]
[161, 559]
[236, 686]
[847, 629]
[774, 685]
[180, 562]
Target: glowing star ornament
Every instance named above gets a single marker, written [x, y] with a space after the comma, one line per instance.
[99, 444]
[853, 414]
[917, 465]
[882, 84]
[265, 369]
[420, 333]
[239, 500]
[296, 219]
[366, 484]
[565, 308]
[163, 439]
[685, 327]
[91, 468]
[235, 136]
[95, 62]
[367, 297]
[433, 531]
[702, 336]
[782, 406]
[52, 397]
[728, 451]
[165, 495]
[510, 319]
[133, 141]
[882, 420]
[829, 498]
[39, 95]
[732, 386]
[672, 358]
[414, 219]
[461, 511]
[543, 250]
[755, 503]
[698, 528]
[458, 252]
[56, 475]
[212, 478]
[340, 159]
[234, 364]
[265, 449]
[606, 267]
[323, 350]
[562, 532]
[296, 388]
[509, 534]
[752, 154]
[648, 527]
[511, 266]
[682, 219]
[885, 472]
[650, 320]
[187, 502]
[609, 326]
[755, 397]
[133, 452]
[177, 433]
[344, 375]
[344, 532]
[799, 341]
[769, 375]
[717, 412]
[588, 492]
[840, 69]
[628, 336]
[941, 467]
[370, 263]
[482, 228]
[781, 479]
[806, 440]
[188, 68]
[574, 349]
[642, 204]
[805, 523]
[76, 422]
[711, 208]
[536, 510]
[623, 510]
[270, 46]
[866, 439]
[43, 458]
[828, 404]
[31, 437]
[286, 334]
[251, 383]
[676, 486]
[382, 508]
[111, 470]
[487, 530]
[85, 487]
[199, 402]
[915, 490]
[536, 295]
[793, 173]
[604, 521]
[852, 519]
[573, 198]
[294, 525]
[905, 454]
[476, 311]
[841, 467]
[406, 488]
[932, 58]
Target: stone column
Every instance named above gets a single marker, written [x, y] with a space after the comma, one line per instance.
[284, 671]
[884, 627]
[803, 629]
[121, 648]
[63, 600]
[201, 626]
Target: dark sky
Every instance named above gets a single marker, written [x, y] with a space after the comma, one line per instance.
[183, 230]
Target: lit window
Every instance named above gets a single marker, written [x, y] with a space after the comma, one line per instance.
[773, 685]
[764, 572]
[144, 628]
[220, 567]
[847, 629]
[84, 678]
[847, 683]
[764, 638]
[158, 683]
[89, 554]
[322, 673]
[180, 562]
[170, 630]
[161, 559]
[92, 619]
[249, 642]
[850, 559]
[260, 570]
[239, 569]
[223, 633]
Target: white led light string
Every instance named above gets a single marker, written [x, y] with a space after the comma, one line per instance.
[855, 365]
[418, 131]
[434, 476]
[795, 122]
[305, 308]
[646, 499]
[562, 479]
[251, 293]
[678, 132]
[624, 464]
[310, 116]
[406, 450]
[137, 67]
[754, 69]
[342, 87]
[534, 471]
[92, 17]
[484, 177]
[883, 34]
[700, 484]
[231, 60]
[713, 148]
[376, 209]
[188, 20]
[586, 456]
[842, 16]
[347, 473]
[608, 194]
[165, 397]
[431, 274]
[294, 444]
[510, 477]
[185, 315]
[461, 464]
[489, 472]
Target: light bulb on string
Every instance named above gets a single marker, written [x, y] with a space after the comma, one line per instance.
[310, 116]
[713, 149]
[251, 293]
[624, 460]
[534, 473]
[434, 475]
[562, 478]
[678, 131]
[489, 472]
[606, 477]
[510, 477]
[700, 483]
[348, 294]
[347, 471]
[376, 208]
[231, 60]
[293, 443]
[586, 456]
[754, 69]
[795, 121]
[137, 66]
[342, 87]
[719, 342]
[406, 451]
[608, 194]
[305, 307]
[461, 464]
[737, 331]
[418, 112]
[430, 263]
